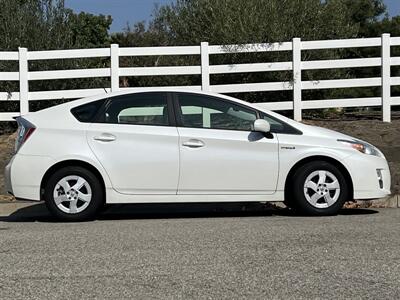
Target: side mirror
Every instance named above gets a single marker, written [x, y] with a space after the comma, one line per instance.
[261, 125]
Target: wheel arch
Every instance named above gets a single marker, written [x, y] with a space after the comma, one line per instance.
[71, 163]
[328, 159]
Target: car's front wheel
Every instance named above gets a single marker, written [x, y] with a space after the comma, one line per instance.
[318, 188]
[73, 194]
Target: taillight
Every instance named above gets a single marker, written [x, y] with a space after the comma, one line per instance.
[25, 130]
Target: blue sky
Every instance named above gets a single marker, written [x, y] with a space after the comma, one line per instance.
[132, 11]
[122, 11]
[393, 6]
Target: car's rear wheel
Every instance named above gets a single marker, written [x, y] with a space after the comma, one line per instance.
[318, 188]
[73, 194]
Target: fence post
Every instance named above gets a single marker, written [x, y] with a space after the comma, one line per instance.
[205, 67]
[386, 86]
[23, 81]
[114, 67]
[297, 79]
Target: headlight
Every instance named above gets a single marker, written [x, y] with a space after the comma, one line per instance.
[363, 147]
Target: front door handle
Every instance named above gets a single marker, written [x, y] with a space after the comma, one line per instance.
[105, 137]
[193, 143]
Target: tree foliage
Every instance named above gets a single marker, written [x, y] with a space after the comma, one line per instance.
[48, 24]
[365, 14]
[189, 22]
[254, 21]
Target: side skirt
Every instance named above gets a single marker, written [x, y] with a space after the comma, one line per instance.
[114, 198]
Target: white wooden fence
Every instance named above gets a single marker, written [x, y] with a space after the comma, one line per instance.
[385, 81]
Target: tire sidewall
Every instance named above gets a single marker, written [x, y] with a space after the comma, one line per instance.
[95, 204]
[301, 202]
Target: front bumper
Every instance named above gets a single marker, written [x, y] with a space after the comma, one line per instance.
[370, 175]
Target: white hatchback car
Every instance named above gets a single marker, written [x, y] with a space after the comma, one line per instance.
[163, 146]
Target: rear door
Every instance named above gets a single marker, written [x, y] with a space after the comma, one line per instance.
[219, 152]
[136, 141]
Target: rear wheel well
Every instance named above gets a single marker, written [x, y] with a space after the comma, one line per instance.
[306, 160]
[70, 163]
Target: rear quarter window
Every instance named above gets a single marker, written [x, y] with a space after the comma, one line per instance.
[87, 112]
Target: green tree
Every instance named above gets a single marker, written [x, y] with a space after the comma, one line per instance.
[189, 22]
[88, 30]
[48, 25]
[255, 21]
[365, 14]
[33, 24]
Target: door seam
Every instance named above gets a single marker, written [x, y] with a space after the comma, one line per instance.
[179, 161]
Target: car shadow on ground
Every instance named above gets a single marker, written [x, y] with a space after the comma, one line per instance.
[39, 213]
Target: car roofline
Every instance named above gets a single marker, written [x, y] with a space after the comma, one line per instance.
[159, 90]
[71, 104]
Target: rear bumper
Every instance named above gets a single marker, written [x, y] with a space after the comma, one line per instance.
[370, 175]
[23, 175]
[7, 177]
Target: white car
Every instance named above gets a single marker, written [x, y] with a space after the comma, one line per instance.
[163, 146]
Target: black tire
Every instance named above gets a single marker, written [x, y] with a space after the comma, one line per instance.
[296, 198]
[97, 194]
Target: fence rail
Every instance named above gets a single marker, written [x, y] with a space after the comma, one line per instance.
[296, 66]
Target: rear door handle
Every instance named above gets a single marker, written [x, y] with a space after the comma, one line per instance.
[193, 143]
[105, 137]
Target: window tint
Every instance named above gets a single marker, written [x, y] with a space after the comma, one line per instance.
[278, 126]
[86, 113]
[138, 109]
[200, 111]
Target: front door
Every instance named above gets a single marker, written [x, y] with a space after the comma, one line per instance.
[219, 152]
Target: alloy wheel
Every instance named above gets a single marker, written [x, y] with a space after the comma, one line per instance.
[72, 194]
[321, 189]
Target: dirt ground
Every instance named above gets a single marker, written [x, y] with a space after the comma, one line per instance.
[6, 150]
[386, 136]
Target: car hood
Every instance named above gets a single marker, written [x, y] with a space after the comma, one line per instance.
[311, 130]
[323, 132]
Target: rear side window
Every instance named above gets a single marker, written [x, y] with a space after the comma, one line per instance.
[86, 112]
[138, 109]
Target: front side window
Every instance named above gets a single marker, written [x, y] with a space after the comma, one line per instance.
[200, 111]
[278, 126]
[138, 109]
